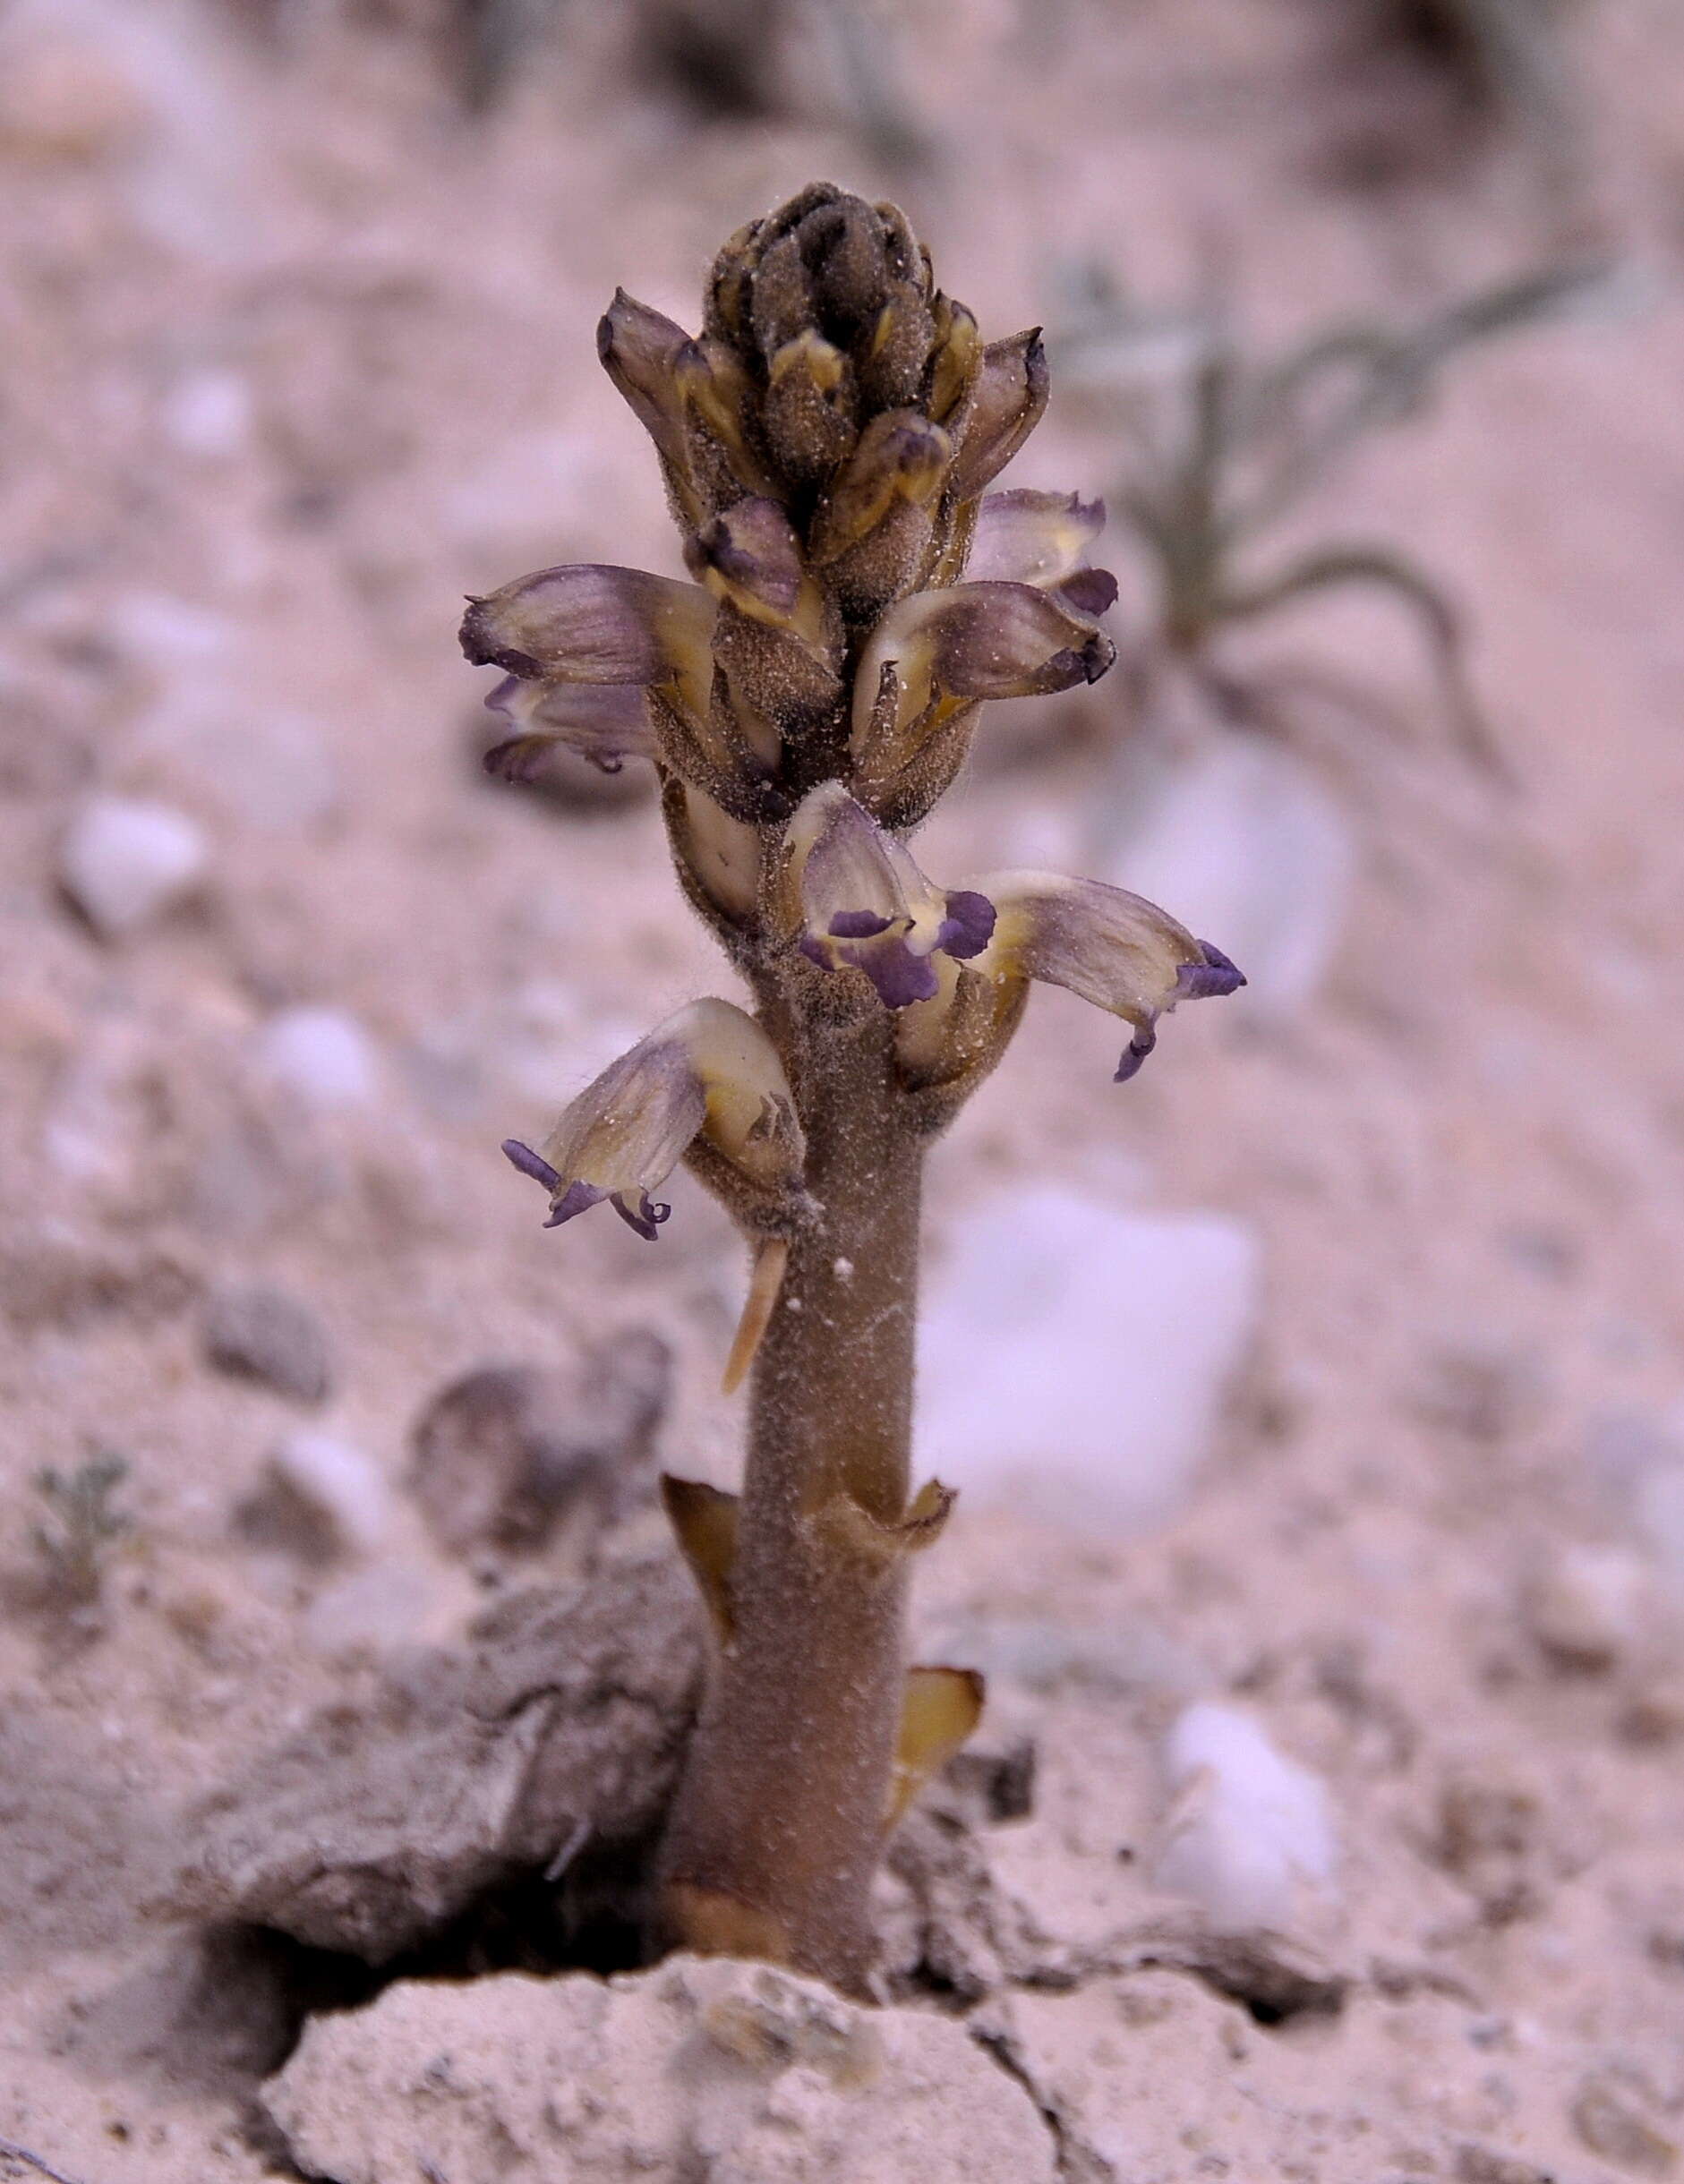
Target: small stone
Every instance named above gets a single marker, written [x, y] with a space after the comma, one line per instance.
[1479, 1390]
[1608, 2122]
[1106, 1342]
[323, 1055]
[1654, 1714]
[1251, 1829]
[1254, 854]
[1586, 1606]
[501, 1453]
[1476, 2164]
[274, 770]
[576, 2076]
[1492, 1838]
[64, 100]
[126, 861]
[260, 1334]
[319, 1499]
[208, 413]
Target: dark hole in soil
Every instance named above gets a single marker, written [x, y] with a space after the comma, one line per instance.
[590, 1919]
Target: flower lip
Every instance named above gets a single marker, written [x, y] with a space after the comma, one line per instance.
[1088, 591]
[641, 1213]
[636, 1209]
[1217, 975]
[858, 924]
[969, 925]
[900, 976]
[1133, 1055]
[577, 1199]
[529, 1163]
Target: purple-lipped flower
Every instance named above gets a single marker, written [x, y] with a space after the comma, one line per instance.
[866, 906]
[708, 1074]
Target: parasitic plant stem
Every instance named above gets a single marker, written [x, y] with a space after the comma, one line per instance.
[784, 1806]
[826, 442]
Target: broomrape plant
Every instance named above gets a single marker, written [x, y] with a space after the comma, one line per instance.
[827, 442]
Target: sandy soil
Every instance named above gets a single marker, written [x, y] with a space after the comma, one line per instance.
[293, 357]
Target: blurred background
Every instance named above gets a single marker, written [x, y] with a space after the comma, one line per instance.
[1340, 1355]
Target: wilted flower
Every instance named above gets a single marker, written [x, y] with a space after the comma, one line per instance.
[708, 1071]
[864, 904]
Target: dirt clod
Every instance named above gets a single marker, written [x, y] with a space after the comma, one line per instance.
[258, 1333]
[560, 1723]
[712, 2069]
[501, 1453]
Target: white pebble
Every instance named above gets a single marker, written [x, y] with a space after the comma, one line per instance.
[322, 1054]
[124, 861]
[209, 413]
[340, 1485]
[1256, 856]
[1107, 1341]
[1249, 1828]
[1587, 1604]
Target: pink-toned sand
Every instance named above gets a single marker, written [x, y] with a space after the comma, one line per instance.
[291, 357]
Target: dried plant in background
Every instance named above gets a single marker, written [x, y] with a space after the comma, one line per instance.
[80, 1528]
[827, 443]
[731, 61]
[1505, 55]
[1223, 444]
[1489, 69]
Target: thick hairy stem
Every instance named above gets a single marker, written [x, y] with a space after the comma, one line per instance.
[780, 1817]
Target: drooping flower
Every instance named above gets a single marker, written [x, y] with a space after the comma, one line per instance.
[1114, 949]
[1041, 539]
[606, 724]
[866, 906]
[709, 1072]
[934, 654]
[592, 629]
